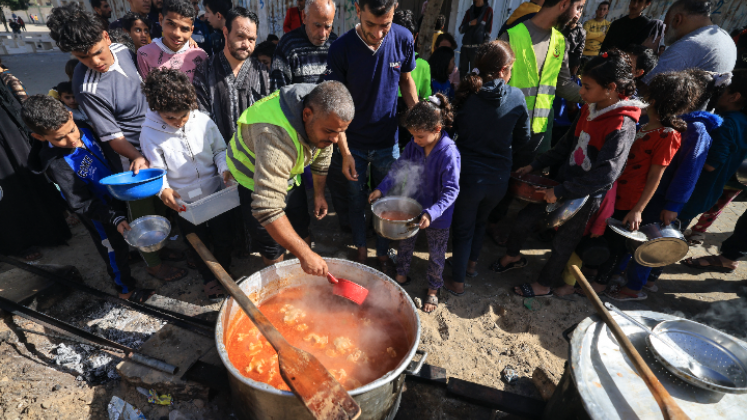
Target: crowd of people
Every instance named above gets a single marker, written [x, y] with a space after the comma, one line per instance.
[646, 136]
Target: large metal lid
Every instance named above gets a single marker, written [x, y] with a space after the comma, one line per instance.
[661, 252]
[611, 389]
[621, 229]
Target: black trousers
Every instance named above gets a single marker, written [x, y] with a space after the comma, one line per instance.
[735, 246]
[216, 231]
[296, 209]
[563, 244]
[113, 249]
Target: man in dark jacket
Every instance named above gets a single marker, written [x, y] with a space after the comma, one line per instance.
[232, 80]
[476, 27]
[77, 162]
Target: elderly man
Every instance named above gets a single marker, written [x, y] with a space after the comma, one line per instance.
[231, 80]
[694, 41]
[276, 138]
[301, 56]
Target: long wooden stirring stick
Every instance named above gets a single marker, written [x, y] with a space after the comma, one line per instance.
[307, 378]
[667, 404]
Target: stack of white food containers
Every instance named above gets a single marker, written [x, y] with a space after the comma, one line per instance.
[207, 199]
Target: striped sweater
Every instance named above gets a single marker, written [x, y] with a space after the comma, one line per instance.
[297, 60]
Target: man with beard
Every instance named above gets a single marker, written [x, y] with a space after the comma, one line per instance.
[301, 56]
[276, 139]
[694, 41]
[102, 10]
[231, 80]
[537, 41]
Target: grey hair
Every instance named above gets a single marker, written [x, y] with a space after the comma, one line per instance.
[310, 2]
[331, 97]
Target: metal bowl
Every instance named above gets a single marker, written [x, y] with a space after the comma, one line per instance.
[148, 233]
[707, 346]
[561, 211]
[525, 187]
[396, 229]
[665, 245]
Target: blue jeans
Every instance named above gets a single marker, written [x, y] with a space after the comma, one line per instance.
[350, 198]
[471, 211]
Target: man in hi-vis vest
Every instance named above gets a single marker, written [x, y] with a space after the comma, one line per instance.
[541, 67]
[276, 138]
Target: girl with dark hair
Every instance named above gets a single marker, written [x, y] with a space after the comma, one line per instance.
[442, 65]
[656, 143]
[447, 40]
[428, 170]
[492, 125]
[591, 156]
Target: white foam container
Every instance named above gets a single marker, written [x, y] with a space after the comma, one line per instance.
[207, 199]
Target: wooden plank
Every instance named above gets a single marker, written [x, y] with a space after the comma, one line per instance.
[496, 399]
[19, 285]
[430, 374]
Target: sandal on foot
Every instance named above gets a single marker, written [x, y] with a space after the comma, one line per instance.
[467, 273]
[528, 292]
[31, 254]
[167, 254]
[141, 295]
[214, 291]
[695, 238]
[498, 268]
[714, 264]
[430, 299]
[169, 273]
[622, 296]
[653, 288]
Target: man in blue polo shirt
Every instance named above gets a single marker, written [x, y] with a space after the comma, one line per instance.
[373, 60]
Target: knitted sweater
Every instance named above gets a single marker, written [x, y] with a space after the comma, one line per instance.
[593, 153]
[679, 179]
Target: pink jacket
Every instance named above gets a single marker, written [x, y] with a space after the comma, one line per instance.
[598, 221]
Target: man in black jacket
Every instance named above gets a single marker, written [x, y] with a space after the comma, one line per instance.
[76, 161]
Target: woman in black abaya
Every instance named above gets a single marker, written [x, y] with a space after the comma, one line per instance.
[31, 208]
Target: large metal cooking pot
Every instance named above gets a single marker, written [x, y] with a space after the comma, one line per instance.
[396, 229]
[528, 187]
[665, 245]
[742, 172]
[379, 400]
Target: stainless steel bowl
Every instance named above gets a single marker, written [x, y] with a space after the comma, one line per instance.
[665, 245]
[561, 211]
[148, 233]
[707, 346]
[396, 229]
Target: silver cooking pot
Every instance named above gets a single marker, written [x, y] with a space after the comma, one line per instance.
[560, 212]
[664, 245]
[379, 400]
[396, 229]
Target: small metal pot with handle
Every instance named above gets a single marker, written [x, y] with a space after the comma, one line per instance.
[396, 229]
[665, 245]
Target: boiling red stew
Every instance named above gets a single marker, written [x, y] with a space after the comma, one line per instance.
[357, 344]
[396, 215]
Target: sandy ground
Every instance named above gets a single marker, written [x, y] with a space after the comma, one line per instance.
[474, 337]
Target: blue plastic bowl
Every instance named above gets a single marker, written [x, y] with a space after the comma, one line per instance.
[127, 186]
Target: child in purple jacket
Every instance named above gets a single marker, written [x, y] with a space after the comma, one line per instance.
[428, 171]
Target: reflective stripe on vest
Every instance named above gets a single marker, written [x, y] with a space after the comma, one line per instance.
[538, 89]
[241, 159]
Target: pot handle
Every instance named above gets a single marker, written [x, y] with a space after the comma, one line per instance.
[419, 364]
[679, 224]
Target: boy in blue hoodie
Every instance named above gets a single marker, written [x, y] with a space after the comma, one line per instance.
[76, 162]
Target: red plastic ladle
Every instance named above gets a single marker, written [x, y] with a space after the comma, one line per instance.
[348, 289]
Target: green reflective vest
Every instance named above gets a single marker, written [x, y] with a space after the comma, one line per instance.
[241, 159]
[538, 89]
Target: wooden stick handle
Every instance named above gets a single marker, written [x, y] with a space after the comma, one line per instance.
[667, 404]
[263, 324]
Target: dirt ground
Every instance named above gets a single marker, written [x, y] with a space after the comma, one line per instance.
[474, 337]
